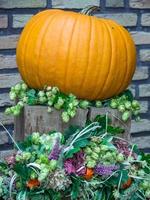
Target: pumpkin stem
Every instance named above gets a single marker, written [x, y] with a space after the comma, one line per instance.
[89, 10]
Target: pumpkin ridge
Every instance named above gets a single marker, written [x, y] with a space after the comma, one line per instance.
[68, 54]
[128, 70]
[100, 93]
[88, 56]
[118, 73]
[97, 52]
[56, 55]
[40, 48]
[100, 60]
[32, 46]
[22, 60]
[26, 51]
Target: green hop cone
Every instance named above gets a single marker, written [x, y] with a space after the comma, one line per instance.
[95, 156]
[91, 164]
[141, 173]
[108, 156]
[135, 112]
[147, 193]
[41, 93]
[84, 104]
[36, 137]
[12, 96]
[48, 88]
[18, 157]
[26, 155]
[88, 150]
[116, 194]
[44, 159]
[53, 164]
[49, 109]
[65, 117]
[121, 108]
[17, 87]
[42, 99]
[128, 105]
[48, 94]
[25, 99]
[33, 175]
[57, 106]
[104, 148]
[50, 103]
[20, 104]
[55, 90]
[97, 150]
[43, 174]
[145, 185]
[60, 101]
[22, 94]
[16, 112]
[126, 115]
[7, 111]
[24, 86]
[72, 113]
[75, 102]
[120, 157]
[135, 104]
[98, 104]
[113, 104]
[88, 158]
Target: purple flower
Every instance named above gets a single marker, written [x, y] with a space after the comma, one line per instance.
[69, 167]
[105, 170]
[54, 155]
[75, 165]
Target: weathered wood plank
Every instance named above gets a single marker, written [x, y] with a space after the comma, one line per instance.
[36, 118]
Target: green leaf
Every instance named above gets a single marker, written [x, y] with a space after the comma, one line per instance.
[70, 153]
[32, 98]
[114, 180]
[70, 131]
[22, 170]
[146, 157]
[98, 195]
[115, 130]
[129, 94]
[75, 188]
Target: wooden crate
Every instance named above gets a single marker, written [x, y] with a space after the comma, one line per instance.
[37, 119]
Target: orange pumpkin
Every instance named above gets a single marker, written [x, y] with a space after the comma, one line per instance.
[93, 58]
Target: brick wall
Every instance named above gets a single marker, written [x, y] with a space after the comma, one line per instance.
[133, 14]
